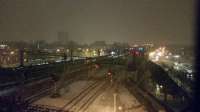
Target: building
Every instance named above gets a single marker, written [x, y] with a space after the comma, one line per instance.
[8, 56]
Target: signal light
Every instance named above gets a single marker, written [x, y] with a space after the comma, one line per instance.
[141, 49]
[97, 66]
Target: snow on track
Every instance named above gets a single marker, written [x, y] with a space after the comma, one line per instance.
[86, 98]
[66, 94]
[126, 102]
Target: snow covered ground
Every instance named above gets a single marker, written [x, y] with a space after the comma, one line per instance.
[66, 94]
[103, 102]
[94, 96]
[125, 102]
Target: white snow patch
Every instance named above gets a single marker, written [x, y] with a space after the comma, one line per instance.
[66, 94]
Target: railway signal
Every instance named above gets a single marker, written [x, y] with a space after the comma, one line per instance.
[110, 76]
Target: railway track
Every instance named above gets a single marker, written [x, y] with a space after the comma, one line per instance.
[47, 91]
[83, 95]
[56, 109]
[91, 97]
[78, 103]
[85, 106]
[84, 98]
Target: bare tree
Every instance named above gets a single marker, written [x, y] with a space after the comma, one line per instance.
[72, 45]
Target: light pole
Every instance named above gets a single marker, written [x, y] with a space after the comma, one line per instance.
[21, 58]
[115, 102]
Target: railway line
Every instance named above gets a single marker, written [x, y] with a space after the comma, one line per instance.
[81, 94]
[79, 102]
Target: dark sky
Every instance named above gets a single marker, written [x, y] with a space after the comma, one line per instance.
[160, 21]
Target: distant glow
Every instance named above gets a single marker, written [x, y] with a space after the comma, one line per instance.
[58, 50]
[157, 89]
[137, 53]
[176, 66]
[120, 107]
[175, 63]
[58, 60]
[96, 66]
[102, 52]
[109, 73]
[3, 46]
[159, 54]
[166, 69]
[189, 71]
[112, 53]
[141, 49]
[25, 59]
[151, 54]
[176, 56]
[94, 53]
[156, 58]
[163, 49]
[12, 52]
[189, 75]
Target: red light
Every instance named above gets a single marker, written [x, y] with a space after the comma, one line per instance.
[97, 66]
[137, 53]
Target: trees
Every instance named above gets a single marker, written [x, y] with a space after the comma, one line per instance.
[98, 44]
[142, 75]
[71, 45]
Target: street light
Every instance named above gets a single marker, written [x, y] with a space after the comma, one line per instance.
[167, 57]
[112, 53]
[151, 54]
[177, 56]
[12, 52]
[57, 50]
[115, 102]
[157, 89]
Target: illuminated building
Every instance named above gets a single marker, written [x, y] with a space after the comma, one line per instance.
[8, 56]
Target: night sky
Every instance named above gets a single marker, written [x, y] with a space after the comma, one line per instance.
[160, 21]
